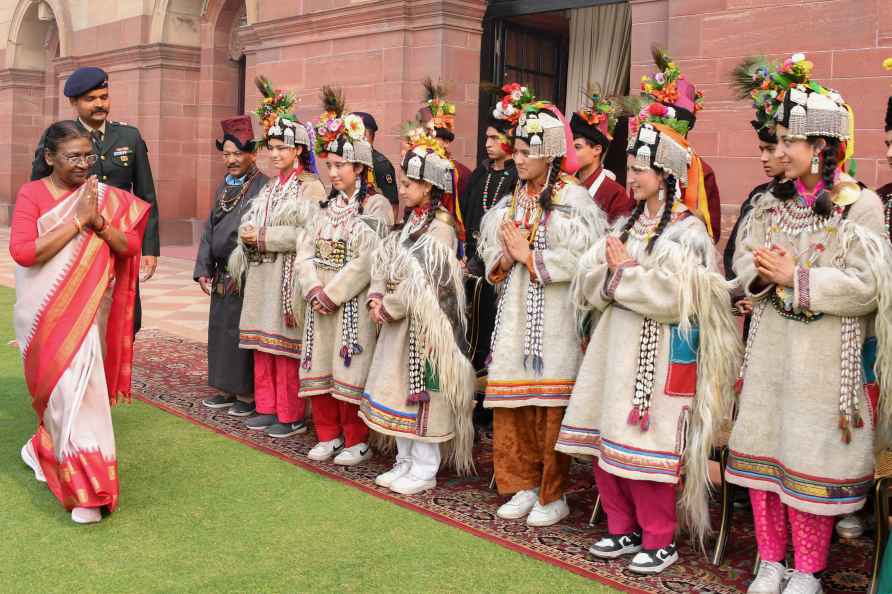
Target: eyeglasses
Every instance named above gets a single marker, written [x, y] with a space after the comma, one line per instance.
[74, 159]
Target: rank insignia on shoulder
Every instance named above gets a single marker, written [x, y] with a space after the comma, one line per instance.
[389, 178]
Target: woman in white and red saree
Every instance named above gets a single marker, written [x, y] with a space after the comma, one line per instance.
[76, 244]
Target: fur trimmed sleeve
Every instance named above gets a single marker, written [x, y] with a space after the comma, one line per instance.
[574, 225]
[368, 232]
[654, 286]
[851, 288]
[588, 288]
[751, 235]
[489, 246]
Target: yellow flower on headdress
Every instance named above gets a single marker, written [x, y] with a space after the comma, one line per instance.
[887, 63]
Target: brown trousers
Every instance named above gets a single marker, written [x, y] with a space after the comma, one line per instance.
[523, 451]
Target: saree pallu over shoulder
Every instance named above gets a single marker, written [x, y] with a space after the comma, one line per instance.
[57, 302]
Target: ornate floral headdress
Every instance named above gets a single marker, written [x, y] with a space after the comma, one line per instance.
[442, 111]
[427, 160]
[275, 115]
[667, 98]
[539, 123]
[808, 108]
[597, 120]
[340, 132]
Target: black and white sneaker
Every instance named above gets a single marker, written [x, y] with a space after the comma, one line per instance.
[241, 409]
[649, 562]
[611, 547]
[286, 429]
[219, 401]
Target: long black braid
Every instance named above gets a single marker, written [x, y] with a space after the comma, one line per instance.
[667, 212]
[551, 179]
[823, 206]
[636, 212]
[664, 219]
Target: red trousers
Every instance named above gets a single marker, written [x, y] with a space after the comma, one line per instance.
[811, 533]
[276, 380]
[333, 417]
[632, 505]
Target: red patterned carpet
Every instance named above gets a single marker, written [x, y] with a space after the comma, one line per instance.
[170, 373]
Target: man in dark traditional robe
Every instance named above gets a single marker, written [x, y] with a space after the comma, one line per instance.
[230, 369]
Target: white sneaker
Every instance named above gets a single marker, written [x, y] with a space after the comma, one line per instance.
[548, 515]
[802, 583]
[769, 578]
[354, 455]
[519, 505]
[30, 460]
[850, 526]
[409, 485]
[86, 515]
[324, 450]
[400, 469]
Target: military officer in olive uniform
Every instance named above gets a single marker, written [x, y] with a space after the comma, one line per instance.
[123, 157]
[385, 177]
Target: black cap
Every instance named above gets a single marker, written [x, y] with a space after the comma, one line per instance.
[765, 133]
[368, 120]
[84, 80]
[582, 129]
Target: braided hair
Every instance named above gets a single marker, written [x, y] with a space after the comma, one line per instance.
[664, 219]
[551, 179]
[823, 206]
[667, 212]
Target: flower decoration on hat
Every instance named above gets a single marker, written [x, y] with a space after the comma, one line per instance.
[515, 97]
[667, 98]
[669, 86]
[442, 110]
[806, 107]
[274, 103]
[340, 132]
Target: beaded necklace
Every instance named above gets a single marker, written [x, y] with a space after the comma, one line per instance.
[227, 204]
[486, 202]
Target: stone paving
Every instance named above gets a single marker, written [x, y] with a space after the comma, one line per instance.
[171, 300]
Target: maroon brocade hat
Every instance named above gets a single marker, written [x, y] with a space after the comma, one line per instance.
[240, 130]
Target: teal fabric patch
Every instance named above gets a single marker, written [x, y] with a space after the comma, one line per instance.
[869, 360]
[684, 350]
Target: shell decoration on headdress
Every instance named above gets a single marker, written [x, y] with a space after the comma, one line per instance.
[427, 160]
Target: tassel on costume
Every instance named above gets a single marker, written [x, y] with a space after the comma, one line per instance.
[419, 397]
[634, 416]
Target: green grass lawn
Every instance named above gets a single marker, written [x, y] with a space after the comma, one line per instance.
[200, 513]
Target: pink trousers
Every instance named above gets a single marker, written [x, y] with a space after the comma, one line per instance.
[811, 533]
[276, 379]
[333, 417]
[633, 505]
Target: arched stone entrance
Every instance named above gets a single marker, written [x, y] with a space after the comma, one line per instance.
[29, 89]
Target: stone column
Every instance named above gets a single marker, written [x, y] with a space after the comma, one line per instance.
[21, 123]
